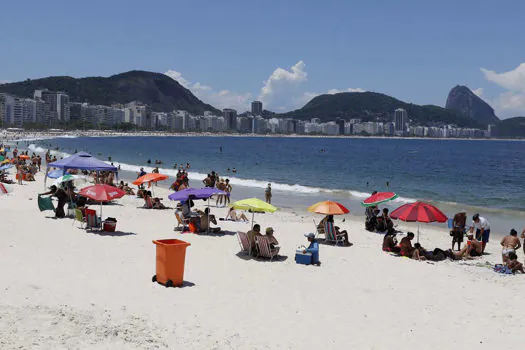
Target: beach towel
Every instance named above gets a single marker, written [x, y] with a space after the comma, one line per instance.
[502, 269]
[45, 203]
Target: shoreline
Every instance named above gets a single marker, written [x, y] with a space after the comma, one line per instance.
[45, 135]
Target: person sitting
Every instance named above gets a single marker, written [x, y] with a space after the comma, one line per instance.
[510, 244]
[254, 232]
[385, 223]
[148, 201]
[232, 215]
[205, 219]
[128, 190]
[157, 204]
[338, 233]
[471, 250]
[513, 264]
[371, 218]
[418, 253]
[390, 243]
[313, 248]
[405, 245]
[141, 191]
[271, 238]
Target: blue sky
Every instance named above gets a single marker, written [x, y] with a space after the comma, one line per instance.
[230, 52]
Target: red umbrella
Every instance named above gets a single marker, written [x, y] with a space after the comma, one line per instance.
[102, 193]
[419, 212]
[378, 198]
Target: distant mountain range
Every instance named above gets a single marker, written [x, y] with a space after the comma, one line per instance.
[164, 94]
[158, 90]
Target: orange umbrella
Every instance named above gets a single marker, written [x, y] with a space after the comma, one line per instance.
[328, 208]
[24, 157]
[152, 177]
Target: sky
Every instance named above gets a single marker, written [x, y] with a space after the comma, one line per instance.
[282, 52]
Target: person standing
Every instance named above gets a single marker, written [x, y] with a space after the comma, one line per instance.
[268, 194]
[482, 227]
[509, 244]
[458, 228]
[228, 191]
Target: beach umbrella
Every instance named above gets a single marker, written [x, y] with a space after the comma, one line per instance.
[328, 208]
[255, 205]
[102, 193]
[151, 177]
[55, 174]
[419, 212]
[378, 198]
[4, 189]
[78, 180]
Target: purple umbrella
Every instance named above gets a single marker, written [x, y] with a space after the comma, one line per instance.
[195, 193]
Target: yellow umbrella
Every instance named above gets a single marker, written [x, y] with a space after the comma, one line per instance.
[254, 205]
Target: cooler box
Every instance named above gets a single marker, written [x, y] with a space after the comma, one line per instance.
[109, 226]
[303, 258]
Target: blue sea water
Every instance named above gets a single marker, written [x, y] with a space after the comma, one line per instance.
[455, 174]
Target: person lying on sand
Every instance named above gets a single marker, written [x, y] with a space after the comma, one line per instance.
[232, 215]
[418, 252]
[510, 244]
[471, 250]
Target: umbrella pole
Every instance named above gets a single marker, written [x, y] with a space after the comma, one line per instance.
[100, 213]
[418, 233]
[208, 229]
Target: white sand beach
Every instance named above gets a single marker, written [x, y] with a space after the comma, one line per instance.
[64, 288]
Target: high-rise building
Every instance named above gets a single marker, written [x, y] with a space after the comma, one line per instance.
[341, 124]
[400, 119]
[58, 105]
[257, 108]
[230, 115]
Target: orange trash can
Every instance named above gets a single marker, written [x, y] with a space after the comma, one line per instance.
[171, 255]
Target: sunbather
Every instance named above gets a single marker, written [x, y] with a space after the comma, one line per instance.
[406, 245]
[232, 215]
[344, 234]
[471, 250]
[390, 243]
[510, 244]
[204, 221]
[513, 263]
[271, 238]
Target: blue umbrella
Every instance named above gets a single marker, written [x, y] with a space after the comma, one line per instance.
[5, 167]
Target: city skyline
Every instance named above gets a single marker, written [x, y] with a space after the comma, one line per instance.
[412, 50]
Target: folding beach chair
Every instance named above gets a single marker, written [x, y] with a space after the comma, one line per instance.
[181, 222]
[331, 234]
[265, 250]
[79, 218]
[242, 237]
[92, 221]
[320, 229]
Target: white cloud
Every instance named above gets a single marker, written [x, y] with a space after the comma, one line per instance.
[221, 99]
[281, 92]
[282, 85]
[478, 92]
[512, 101]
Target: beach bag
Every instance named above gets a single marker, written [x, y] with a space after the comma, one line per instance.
[45, 203]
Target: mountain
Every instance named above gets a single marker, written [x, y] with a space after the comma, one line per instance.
[510, 128]
[159, 91]
[463, 100]
[370, 106]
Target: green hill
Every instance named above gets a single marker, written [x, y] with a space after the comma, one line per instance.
[511, 128]
[159, 91]
[372, 106]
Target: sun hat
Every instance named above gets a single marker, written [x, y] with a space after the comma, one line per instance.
[309, 235]
[269, 230]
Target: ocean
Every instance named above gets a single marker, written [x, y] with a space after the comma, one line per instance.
[480, 176]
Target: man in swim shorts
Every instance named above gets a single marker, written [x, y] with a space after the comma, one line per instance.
[482, 227]
[510, 244]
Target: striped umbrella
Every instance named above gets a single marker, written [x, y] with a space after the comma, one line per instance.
[378, 198]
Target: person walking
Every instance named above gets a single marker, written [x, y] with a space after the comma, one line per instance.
[268, 194]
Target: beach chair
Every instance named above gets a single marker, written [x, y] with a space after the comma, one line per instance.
[79, 218]
[265, 250]
[244, 242]
[331, 234]
[181, 222]
[92, 221]
[320, 230]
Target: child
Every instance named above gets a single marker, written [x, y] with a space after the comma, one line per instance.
[513, 263]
